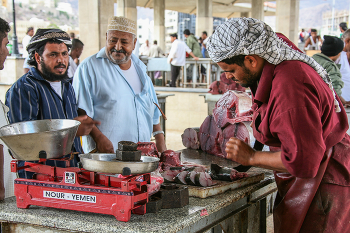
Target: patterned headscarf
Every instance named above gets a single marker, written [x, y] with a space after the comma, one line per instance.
[42, 36]
[248, 36]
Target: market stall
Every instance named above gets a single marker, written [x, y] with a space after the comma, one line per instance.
[242, 208]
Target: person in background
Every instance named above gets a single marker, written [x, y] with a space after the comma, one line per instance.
[144, 49]
[297, 114]
[155, 50]
[75, 52]
[4, 30]
[113, 87]
[345, 67]
[343, 27]
[72, 35]
[25, 42]
[330, 52]
[177, 57]
[314, 42]
[204, 44]
[45, 91]
[200, 42]
[192, 43]
[302, 35]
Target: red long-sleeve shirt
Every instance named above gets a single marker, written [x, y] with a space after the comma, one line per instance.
[294, 110]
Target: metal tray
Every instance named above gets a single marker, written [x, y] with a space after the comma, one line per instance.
[107, 163]
[27, 139]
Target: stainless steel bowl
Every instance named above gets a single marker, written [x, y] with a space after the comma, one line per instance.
[107, 163]
[26, 139]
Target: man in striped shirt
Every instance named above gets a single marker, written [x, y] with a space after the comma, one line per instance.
[45, 91]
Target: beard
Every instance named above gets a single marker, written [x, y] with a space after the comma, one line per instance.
[49, 75]
[250, 78]
[116, 61]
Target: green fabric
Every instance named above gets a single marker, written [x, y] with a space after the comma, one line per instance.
[332, 70]
[193, 44]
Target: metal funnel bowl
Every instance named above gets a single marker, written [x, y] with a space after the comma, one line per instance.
[26, 139]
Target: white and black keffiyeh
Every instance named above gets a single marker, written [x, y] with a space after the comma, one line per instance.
[248, 36]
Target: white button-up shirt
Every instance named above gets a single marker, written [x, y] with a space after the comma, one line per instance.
[105, 94]
[178, 53]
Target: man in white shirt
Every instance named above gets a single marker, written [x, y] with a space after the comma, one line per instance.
[26, 39]
[75, 52]
[25, 42]
[144, 49]
[113, 87]
[177, 57]
[155, 50]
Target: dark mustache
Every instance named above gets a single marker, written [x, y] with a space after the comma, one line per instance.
[61, 66]
[118, 51]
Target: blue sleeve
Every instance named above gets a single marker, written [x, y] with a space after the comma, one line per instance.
[82, 89]
[22, 99]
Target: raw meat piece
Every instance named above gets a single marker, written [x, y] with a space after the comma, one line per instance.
[171, 157]
[209, 134]
[190, 178]
[232, 107]
[200, 169]
[154, 186]
[232, 84]
[195, 165]
[224, 85]
[169, 175]
[225, 173]
[180, 178]
[190, 138]
[235, 175]
[243, 132]
[217, 88]
[203, 179]
[148, 149]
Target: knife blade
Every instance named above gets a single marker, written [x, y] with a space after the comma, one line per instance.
[257, 146]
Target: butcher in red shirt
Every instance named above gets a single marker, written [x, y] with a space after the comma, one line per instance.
[297, 113]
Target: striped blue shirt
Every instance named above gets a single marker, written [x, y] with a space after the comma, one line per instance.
[32, 98]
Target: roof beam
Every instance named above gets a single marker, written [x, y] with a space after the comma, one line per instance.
[193, 11]
[226, 4]
[148, 3]
[230, 15]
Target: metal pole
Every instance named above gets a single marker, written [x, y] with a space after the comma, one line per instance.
[14, 38]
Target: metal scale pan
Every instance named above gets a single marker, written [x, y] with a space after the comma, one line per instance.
[107, 163]
[27, 139]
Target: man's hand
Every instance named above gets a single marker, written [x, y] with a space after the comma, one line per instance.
[242, 153]
[103, 144]
[239, 151]
[196, 58]
[344, 102]
[86, 125]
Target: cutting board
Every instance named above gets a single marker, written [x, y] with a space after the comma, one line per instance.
[222, 186]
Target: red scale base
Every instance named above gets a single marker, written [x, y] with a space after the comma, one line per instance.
[74, 188]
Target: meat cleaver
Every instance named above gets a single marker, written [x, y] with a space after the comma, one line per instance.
[257, 146]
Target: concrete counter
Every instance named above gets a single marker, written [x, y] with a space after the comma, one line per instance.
[247, 203]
